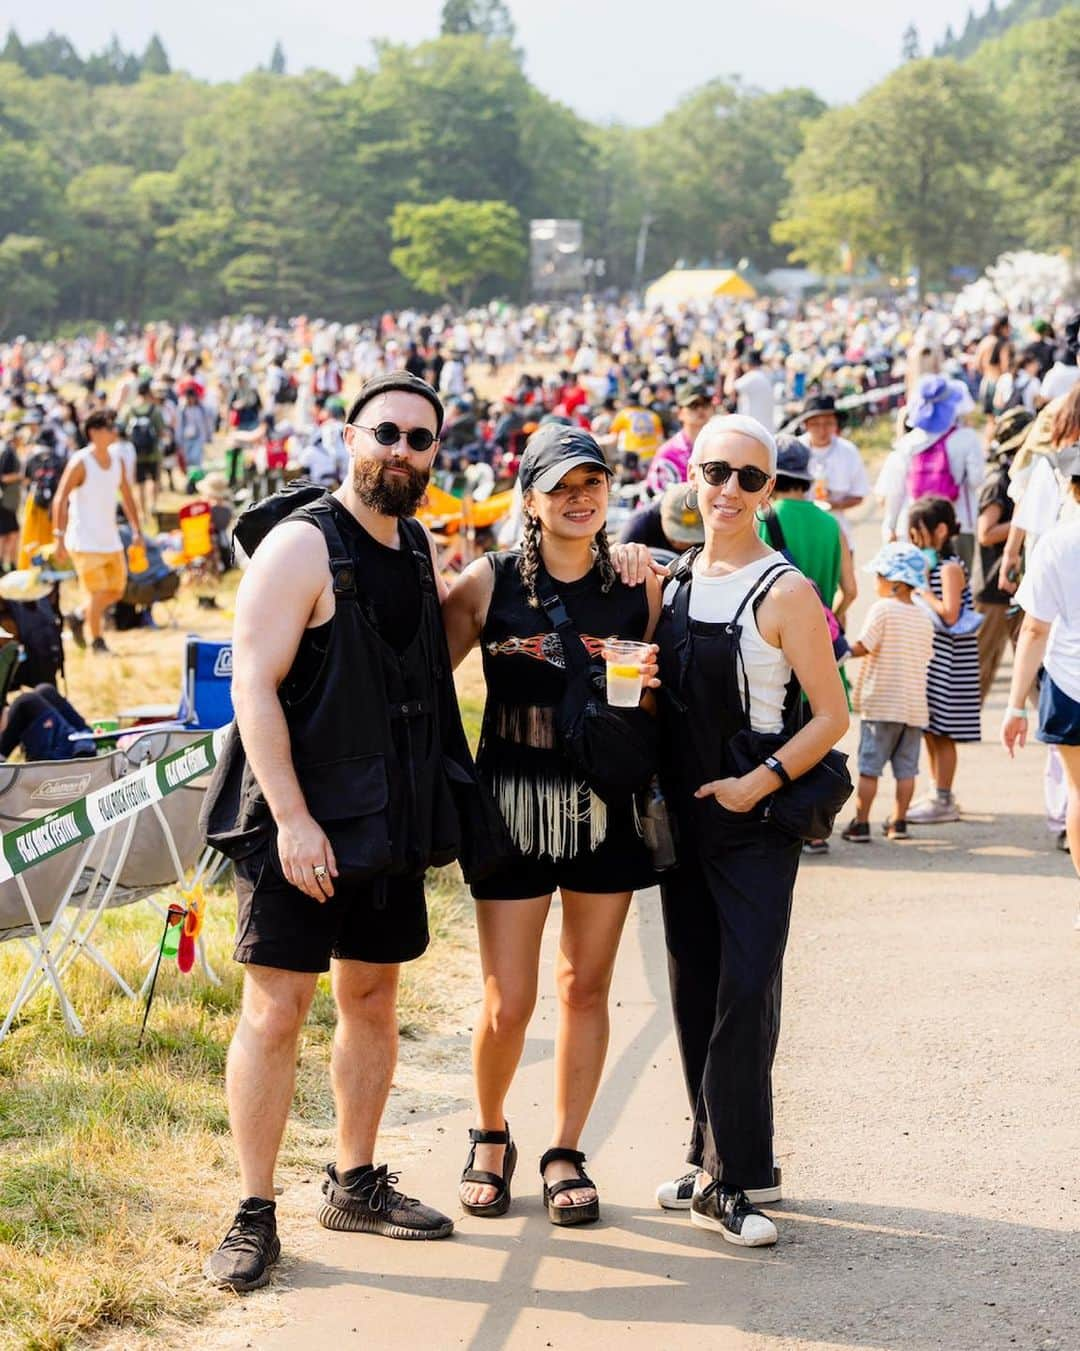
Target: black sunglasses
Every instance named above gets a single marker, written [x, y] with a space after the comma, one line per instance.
[717, 472]
[389, 434]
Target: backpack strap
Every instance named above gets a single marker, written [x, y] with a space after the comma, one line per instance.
[775, 531]
[342, 567]
[574, 653]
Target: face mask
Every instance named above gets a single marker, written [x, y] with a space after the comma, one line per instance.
[931, 556]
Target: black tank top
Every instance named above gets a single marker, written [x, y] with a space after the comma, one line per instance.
[549, 811]
[389, 589]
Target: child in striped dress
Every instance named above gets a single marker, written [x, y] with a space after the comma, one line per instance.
[952, 682]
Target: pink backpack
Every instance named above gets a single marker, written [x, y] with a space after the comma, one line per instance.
[930, 474]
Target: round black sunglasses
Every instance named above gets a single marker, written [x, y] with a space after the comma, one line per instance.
[389, 434]
[717, 472]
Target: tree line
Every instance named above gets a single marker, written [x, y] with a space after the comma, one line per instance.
[286, 193]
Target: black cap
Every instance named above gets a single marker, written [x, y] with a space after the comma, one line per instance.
[407, 384]
[819, 404]
[554, 450]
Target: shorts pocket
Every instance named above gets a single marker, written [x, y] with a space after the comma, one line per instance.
[350, 799]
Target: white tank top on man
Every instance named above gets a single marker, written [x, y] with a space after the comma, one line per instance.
[714, 600]
[91, 527]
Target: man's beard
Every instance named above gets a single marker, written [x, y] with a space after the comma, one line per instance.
[389, 494]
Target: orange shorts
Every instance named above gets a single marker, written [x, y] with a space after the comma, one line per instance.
[101, 572]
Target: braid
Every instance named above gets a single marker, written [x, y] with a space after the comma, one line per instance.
[529, 564]
[603, 559]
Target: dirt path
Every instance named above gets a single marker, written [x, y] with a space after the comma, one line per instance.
[926, 1088]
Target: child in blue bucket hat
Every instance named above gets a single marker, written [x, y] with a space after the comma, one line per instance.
[896, 645]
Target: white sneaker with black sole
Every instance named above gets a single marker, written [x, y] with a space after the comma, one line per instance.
[679, 1192]
[730, 1214]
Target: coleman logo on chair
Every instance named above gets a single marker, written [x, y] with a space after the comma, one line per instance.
[223, 663]
[53, 789]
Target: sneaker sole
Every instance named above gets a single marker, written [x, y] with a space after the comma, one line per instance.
[757, 1196]
[241, 1287]
[331, 1217]
[707, 1222]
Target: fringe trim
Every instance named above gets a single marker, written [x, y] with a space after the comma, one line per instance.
[547, 815]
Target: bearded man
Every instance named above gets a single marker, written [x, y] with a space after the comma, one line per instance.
[344, 711]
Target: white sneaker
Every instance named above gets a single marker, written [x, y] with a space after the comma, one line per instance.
[680, 1192]
[932, 811]
[731, 1214]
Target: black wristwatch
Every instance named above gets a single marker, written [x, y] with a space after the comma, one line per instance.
[778, 769]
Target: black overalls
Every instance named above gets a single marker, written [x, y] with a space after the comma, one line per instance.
[728, 902]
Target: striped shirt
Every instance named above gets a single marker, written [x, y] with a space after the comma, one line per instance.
[891, 684]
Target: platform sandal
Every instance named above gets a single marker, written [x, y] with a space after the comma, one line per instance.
[584, 1213]
[501, 1204]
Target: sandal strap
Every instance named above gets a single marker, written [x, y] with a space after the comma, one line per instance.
[570, 1184]
[487, 1179]
[479, 1137]
[560, 1155]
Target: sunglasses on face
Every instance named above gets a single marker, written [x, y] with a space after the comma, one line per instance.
[389, 434]
[717, 472]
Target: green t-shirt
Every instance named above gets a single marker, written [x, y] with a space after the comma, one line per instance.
[812, 538]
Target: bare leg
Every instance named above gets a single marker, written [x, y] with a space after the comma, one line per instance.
[930, 741]
[905, 789]
[510, 933]
[1070, 758]
[592, 927]
[364, 1055]
[96, 605]
[942, 760]
[261, 1069]
[868, 786]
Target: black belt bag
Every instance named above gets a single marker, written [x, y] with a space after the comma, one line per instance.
[808, 806]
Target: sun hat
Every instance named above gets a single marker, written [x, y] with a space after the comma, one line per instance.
[899, 562]
[681, 524]
[214, 485]
[1010, 430]
[936, 405]
[553, 450]
[691, 393]
[819, 405]
[793, 458]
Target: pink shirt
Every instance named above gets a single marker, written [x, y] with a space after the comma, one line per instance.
[669, 464]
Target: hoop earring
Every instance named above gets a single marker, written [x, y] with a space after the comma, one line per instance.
[759, 516]
[690, 500]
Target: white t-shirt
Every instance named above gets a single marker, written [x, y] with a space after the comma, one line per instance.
[1049, 592]
[1058, 380]
[756, 399]
[841, 468]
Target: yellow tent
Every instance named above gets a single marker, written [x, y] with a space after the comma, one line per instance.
[682, 284]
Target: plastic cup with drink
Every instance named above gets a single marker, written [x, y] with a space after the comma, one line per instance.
[624, 674]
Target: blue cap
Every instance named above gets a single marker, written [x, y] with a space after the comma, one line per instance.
[899, 562]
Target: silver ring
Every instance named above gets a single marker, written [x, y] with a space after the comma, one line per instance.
[319, 870]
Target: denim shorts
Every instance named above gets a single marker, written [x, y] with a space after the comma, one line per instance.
[1059, 715]
[882, 742]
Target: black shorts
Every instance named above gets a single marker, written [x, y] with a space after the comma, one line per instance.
[620, 863]
[382, 921]
[9, 522]
[146, 471]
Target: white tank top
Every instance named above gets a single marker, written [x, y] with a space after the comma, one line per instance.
[91, 527]
[715, 600]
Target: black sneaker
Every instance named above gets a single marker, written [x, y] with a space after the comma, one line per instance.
[76, 624]
[731, 1214]
[242, 1259]
[100, 649]
[857, 833]
[372, 1206]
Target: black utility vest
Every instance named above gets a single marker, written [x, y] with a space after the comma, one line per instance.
[377, 742]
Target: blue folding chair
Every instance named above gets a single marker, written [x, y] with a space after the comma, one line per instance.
[207, 700]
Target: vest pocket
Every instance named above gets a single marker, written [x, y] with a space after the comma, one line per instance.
[350, 799]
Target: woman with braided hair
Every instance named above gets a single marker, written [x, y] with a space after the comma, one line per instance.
[565, 835]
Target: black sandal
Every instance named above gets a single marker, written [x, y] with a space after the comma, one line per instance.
[501, 1204]
[584, 1212]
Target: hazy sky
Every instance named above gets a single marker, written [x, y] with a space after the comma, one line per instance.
[628, 60]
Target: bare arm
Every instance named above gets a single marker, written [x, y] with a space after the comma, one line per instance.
[792, 619]
[288, 581]
[1010, 557]
[991, 529]
[465, 609]
[131, 511]
[74, 476]
[849, 586]
[1030, 650]
[840, 501]
[952, 593]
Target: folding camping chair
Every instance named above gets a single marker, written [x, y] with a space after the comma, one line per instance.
[205, 694]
